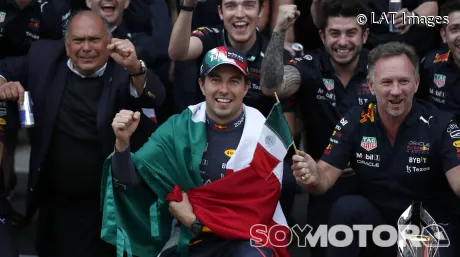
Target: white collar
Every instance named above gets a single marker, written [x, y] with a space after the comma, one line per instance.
[98, 73]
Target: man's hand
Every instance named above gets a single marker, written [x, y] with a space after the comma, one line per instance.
[401, 21]
[124, 124]
[124, 53]
[287, 16]
[183, 211]
[12, 91]
[305, 169]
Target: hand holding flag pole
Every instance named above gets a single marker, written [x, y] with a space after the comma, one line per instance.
[295, 147]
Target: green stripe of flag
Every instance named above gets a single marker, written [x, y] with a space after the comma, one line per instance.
[276, 122]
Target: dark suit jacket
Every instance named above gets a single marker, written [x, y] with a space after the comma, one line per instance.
[44, 73]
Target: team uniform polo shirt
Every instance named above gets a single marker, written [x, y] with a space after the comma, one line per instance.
[3, 113]
[392, 177]
[20, 28]
[215, 37]
[324, 100]
[440, 81]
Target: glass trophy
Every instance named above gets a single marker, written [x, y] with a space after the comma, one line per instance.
[418, 240]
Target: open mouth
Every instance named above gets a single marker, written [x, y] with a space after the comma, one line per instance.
[223, 101]
[108, 8]
[396, 103]
[240, 26]
[343, 51]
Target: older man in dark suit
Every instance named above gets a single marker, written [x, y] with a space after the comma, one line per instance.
[77, 86]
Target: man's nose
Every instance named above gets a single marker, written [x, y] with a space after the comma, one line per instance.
[240, 11]
[343, 40]
[86, 46]
[395, 89]
[223, 89]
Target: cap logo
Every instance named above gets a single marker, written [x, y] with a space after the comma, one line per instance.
[214, 56]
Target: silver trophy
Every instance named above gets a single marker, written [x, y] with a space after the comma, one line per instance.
[418, 240]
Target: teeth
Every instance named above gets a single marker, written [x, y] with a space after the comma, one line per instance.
[342, 51]
[108, 6]
[220, 100]
[240, 24]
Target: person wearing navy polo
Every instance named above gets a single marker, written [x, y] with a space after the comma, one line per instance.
[240, 19]
[326, 83]
[7, 247]
[402, 150]
[440, 76]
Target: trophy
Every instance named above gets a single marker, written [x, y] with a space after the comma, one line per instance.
[418, 240]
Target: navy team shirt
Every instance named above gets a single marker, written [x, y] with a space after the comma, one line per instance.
[413, 169]
[323, 99]
[3, 113]
[440, 81]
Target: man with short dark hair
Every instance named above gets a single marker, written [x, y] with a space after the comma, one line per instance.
[420, 34]
[440, 69]
[402, 151]
[76, 85]
[326, 84]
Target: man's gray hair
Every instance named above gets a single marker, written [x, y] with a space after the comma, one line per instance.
[389, 50]
[107, 28]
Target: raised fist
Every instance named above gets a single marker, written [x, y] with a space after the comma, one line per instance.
[124, 124]
[287, 16]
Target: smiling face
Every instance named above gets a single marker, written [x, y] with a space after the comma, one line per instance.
[224, 89]
[111, 10]
[394, 84]
[451, 35]
[343, 39]
[240, 19]
[86, 43]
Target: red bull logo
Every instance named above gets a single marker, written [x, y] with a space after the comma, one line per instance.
[369, 115]
[220, 127]
[229, 152]
[441, 57]
[424, 148]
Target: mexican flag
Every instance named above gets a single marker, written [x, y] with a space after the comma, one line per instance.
[242, 205]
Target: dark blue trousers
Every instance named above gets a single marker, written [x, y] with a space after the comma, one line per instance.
[7, 247]
[320, 206]
[355, 209]
[213, 246]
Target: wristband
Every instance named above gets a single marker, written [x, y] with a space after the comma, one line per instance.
[187, 9]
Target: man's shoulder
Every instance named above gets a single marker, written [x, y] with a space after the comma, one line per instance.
[438, 57]
[432, 115]
[253, 114]
[47, 47]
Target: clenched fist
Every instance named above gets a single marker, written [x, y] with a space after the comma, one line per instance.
[124, 53]
[124, 124]
[12, 91]
[287, 16]
[305, 168]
